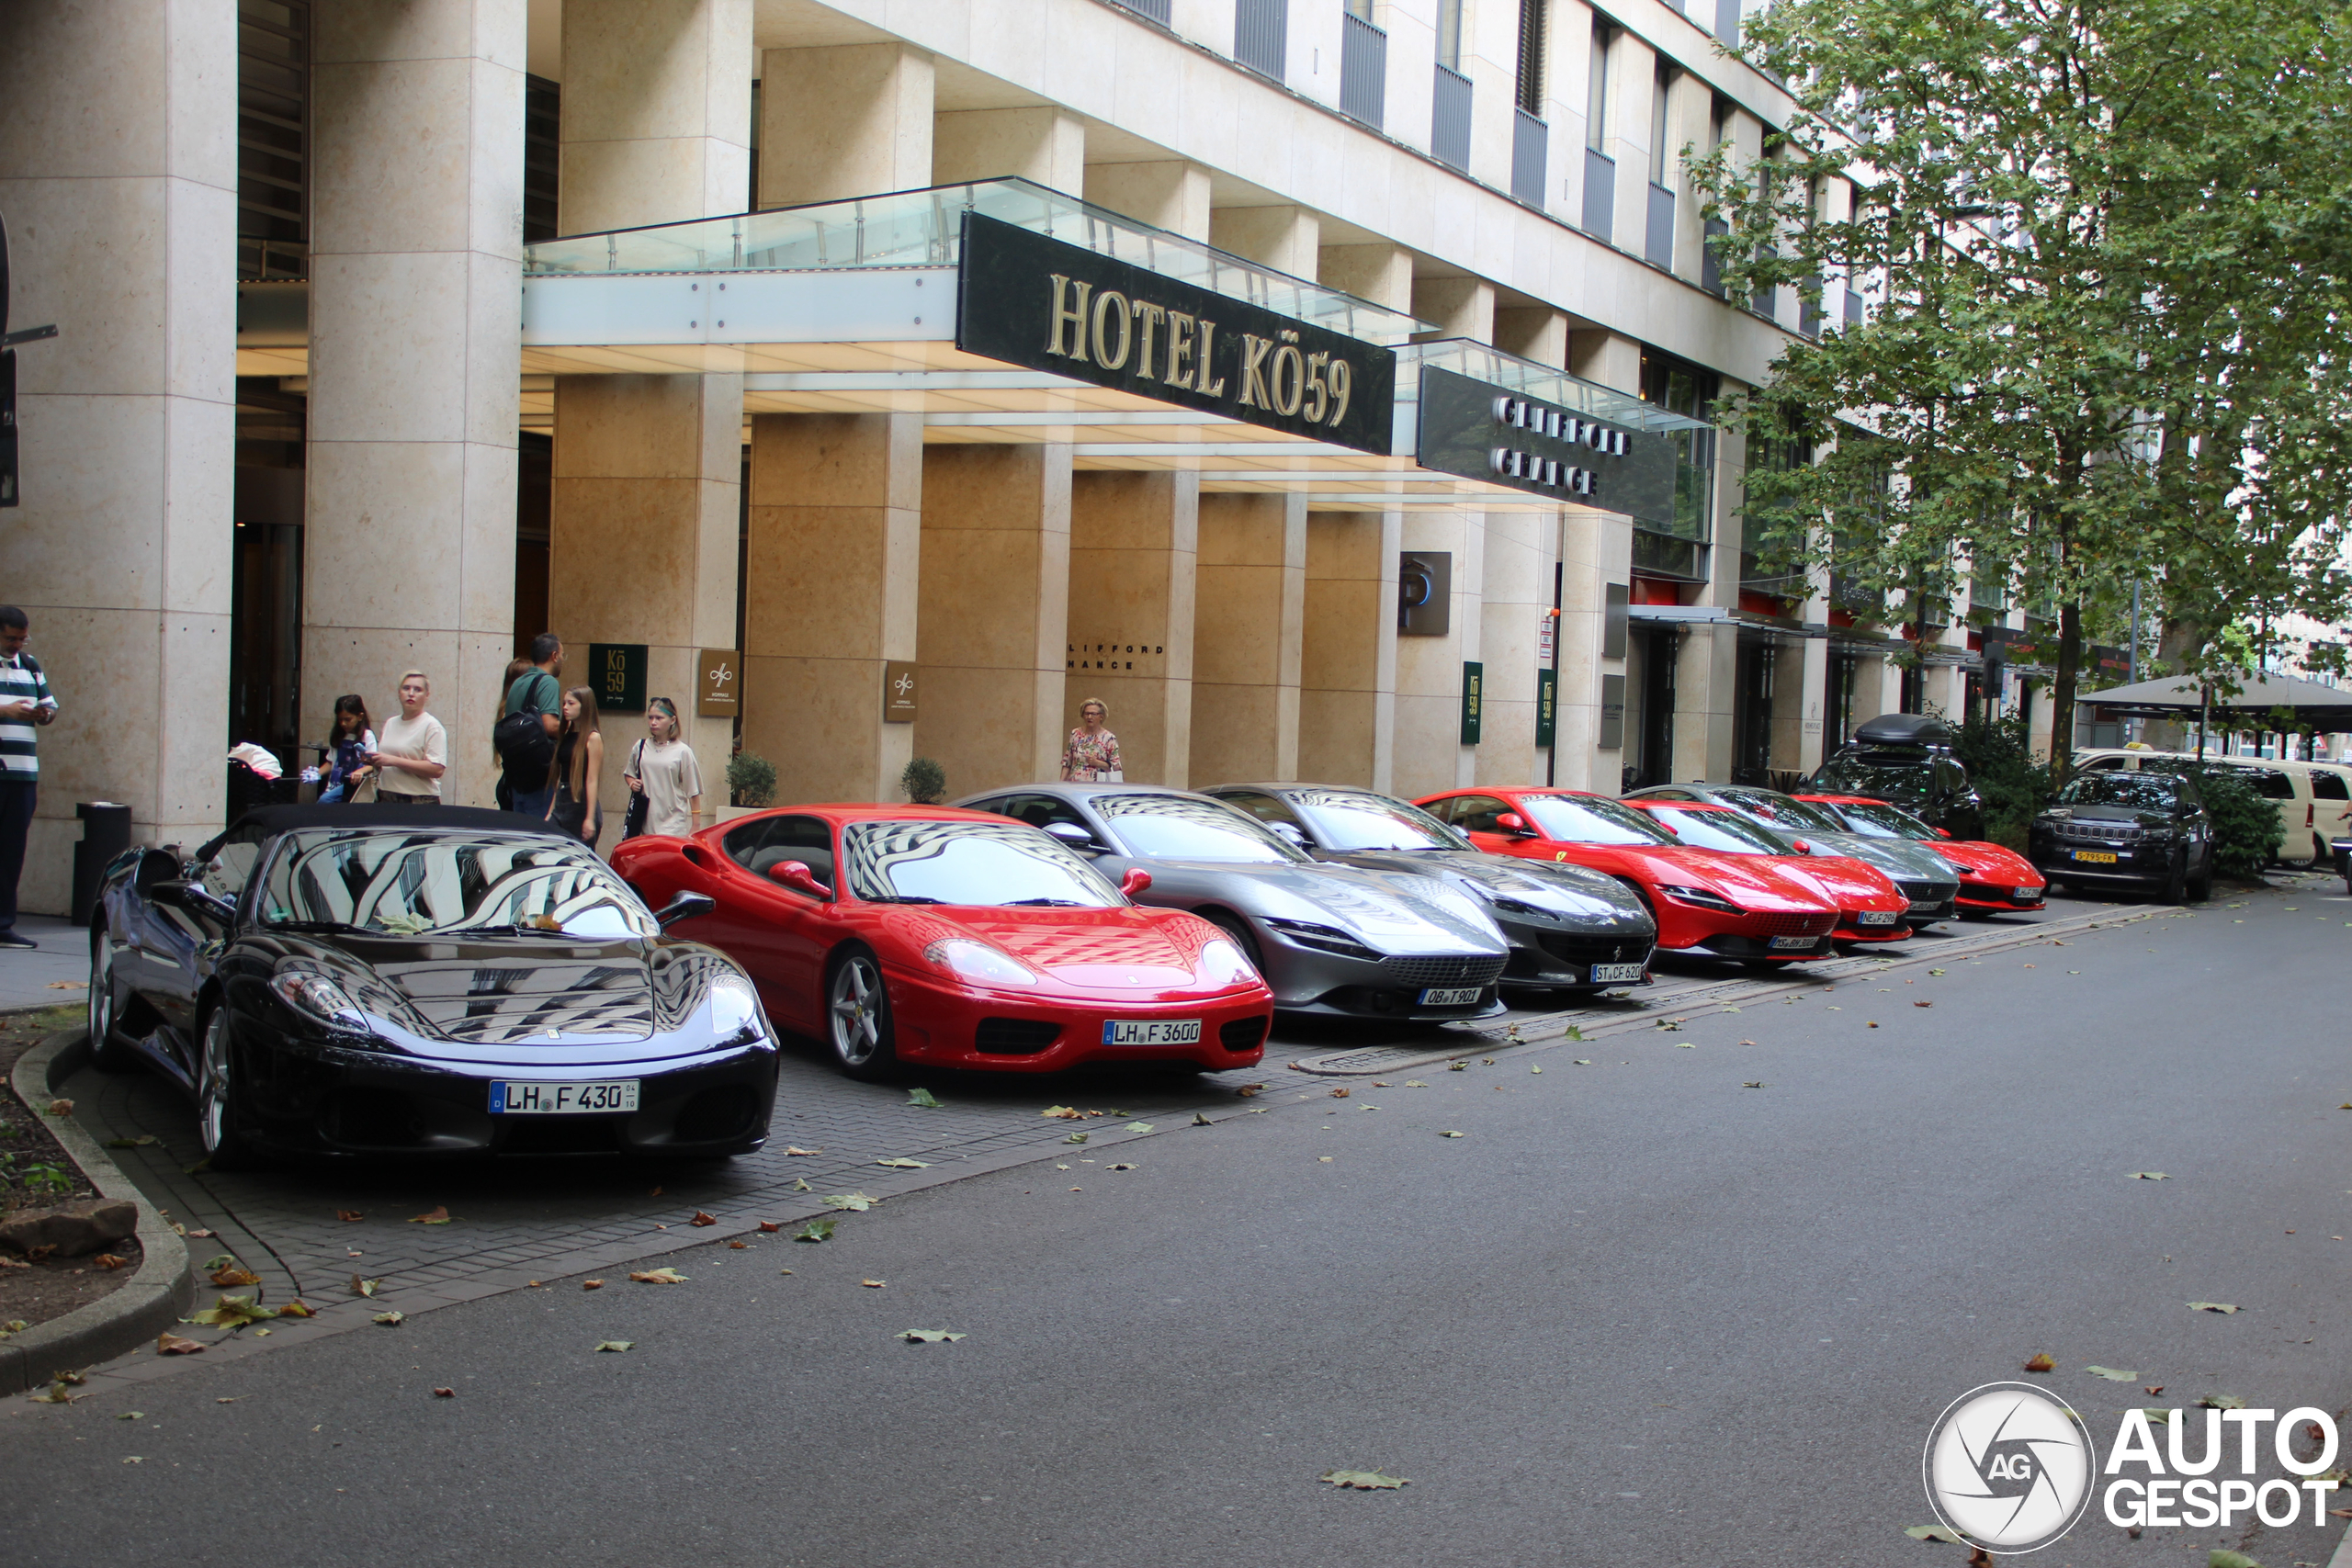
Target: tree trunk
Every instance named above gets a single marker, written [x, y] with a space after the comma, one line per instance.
[2062, 692]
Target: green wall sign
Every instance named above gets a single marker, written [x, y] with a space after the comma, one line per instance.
[1474, 698]
[617, 674]
[1547, 704]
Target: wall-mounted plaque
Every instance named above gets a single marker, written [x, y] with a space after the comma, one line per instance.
[617, 674]
[1474, 699]
[898, 692]
[1481, 431]
[1424, 592]
[719, 682]
[1547, 705]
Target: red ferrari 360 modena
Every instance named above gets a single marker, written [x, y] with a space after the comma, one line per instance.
[1869, 905]
[1992, 877]
[925, 934]
[1706, 903]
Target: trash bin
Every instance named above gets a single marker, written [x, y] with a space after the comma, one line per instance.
[106, 833]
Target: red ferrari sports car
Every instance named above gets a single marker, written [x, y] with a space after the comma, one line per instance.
[1991, 875]
[1869, 905]
[1712, 904]
[925, 934]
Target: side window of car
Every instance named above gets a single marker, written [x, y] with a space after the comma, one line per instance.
[1673, 795]
[224, 875]
[1039, 811]
[2108, 764]
[1264, 808]
[1951, 778]
[2190, 800]
[2269, 783]
[809, 840]
[1478, 813]
[2329, 786]
[742, 842]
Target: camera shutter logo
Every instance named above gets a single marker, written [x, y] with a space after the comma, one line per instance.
[2009, 1467]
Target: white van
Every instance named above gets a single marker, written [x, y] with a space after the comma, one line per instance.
[2315, 799]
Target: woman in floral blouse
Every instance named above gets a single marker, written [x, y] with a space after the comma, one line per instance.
[1092, 754]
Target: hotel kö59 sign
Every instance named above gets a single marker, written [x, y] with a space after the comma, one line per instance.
[1040, 302]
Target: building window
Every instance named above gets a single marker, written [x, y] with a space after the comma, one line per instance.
[1659, 164]
[273, 138]
[1531, 33]
[1596, 93]
[1449, 34]
[542, 149]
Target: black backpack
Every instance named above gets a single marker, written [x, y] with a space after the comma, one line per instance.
[525, 748]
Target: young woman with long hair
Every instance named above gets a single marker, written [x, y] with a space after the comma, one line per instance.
[662, 769]
[571, 775]
[348, 744]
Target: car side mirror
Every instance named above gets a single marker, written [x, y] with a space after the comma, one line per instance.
[1138, 880]
[1512, 822]
[1073, 835]
[194, 898]
[684, 907]
[796, 875]
[1802, 847]
[1292, 834]
[1943, 832]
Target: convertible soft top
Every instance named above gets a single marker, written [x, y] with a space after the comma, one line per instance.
[273, 820]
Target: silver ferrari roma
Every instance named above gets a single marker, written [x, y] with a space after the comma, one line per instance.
[1570, 928]
[1926, 877]
[1335, 940]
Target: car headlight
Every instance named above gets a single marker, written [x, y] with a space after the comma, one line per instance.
[978, 962]
[1701, 898]
[1221, 964]
[1323, 938]
[315, 996]
[734, 1006]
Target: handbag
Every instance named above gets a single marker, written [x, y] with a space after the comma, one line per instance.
[641, 805]
[361, 793]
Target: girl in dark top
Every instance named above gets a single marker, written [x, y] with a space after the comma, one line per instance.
[347, 749]
[571, 775]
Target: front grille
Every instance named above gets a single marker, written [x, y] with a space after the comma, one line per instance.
[2102, 832]
[1441, 971]
[724, 1112]
[1015, 1036]
[1795, 925]
[1571, 947]
[1242, 1034]
[1924, 892]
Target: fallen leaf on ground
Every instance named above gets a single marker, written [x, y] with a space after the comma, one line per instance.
[69, 985]
[1062, 1112]
[815, 1230]
[1752, 1085]
[360, 1287]
[132, 1416]
[1075, 1138]
[1448, 1134]
[77, 1379]
[702, 1219]
[857, 1201]
[658, 1277]
[2147, 1175]
[930, 1336]
[1874, 1024]
[2220, 1558]
[1201, 1121]
[206, 1233]
[60, 1107]
[738, 1245]
[1362, 1480]
[1936, 1532]
[230, 1274]
[221, 1261]
[2222, 1402]
[1415, 1083]
[58, 1393]
[1581, 1062]
[924, 1098]
[1934, 971]
[615, 1344]
[1325, 1159]
[1249, 1089]
[298, 1309]
[769, 1227]
[903, 1163]
[1923, 1004]
[109, 1261]
[795, 1149]
[233, 1312]
[2042, 1363]
[389, 1319]
[1670, 1023]
[138, 1143]
[1123, 1165]
[1339, 1094]
[874, 1284]
[349, 1216]
[438, 1216]
[444, 1393]
[801, 1185]
[1457, 1066]
[1139, 1126]
[2111, 1375]
[592, 1285]
[2224, 1307]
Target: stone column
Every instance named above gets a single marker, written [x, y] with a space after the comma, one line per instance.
[415, 308]
[1597, 550]
[1047, 145]
[1166, 194]
[995, 585]
[122, 231]
[1535, 332]
[1705, 683]
[1246, 637]
[1462, 307]
[1133, 565]
[1516, 593]
[1284, 237]
[1430, 755]
[1380, 273]
[1347, 699]
[830, 589]
[843, 120]
[657, 103]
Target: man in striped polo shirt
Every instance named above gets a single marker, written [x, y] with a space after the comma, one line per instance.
[25, 703]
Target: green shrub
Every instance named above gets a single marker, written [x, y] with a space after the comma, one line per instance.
[751, 779]
[1998, 755]
[2247, 832]
[924, 781]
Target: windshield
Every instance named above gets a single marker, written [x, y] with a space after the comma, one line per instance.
[1591, 819]
[1878, 821]
[1854, 776]
[1176, 827]
[1347, 819]
[1780, 811]
[1725, 830]
[405, 883]
[2150, 791]
[971, 863]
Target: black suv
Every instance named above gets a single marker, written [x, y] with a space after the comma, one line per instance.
[2149, 830]
[1905, 760]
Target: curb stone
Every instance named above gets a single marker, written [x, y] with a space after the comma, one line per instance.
[142, 1306]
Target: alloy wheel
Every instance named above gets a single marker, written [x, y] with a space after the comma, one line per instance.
[855, 1011]
[101, 991]
[214, 1088]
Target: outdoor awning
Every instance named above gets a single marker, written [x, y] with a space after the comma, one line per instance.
[2252, 705]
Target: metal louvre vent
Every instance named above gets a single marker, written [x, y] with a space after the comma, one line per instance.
[2102, 832]
[1242, 1034]
[1479, 971]
[1795, 925]
[1015, 1036]
[1572, 948]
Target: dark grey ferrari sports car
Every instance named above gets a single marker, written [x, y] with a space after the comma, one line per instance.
[378, 981]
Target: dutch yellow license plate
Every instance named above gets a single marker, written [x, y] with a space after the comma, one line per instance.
[2096, 857]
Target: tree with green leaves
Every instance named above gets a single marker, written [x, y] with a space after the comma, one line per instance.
[2106, 325]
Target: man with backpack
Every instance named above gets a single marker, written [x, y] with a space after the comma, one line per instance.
[527, 727]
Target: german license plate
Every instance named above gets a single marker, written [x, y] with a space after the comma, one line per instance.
[2029, 892]
[1448, 995]
[1878, 918]
[1151, 1032]
[1789, 941]
[2096, 857]
[614, 1096]
[1616, 974]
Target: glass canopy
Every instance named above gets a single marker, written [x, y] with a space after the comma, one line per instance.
[924, 228]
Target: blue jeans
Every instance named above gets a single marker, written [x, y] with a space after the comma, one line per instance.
[532, 804]
[332, 794]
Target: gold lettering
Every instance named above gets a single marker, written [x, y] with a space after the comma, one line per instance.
[1254, 392]
[1208, 362]
[1113, 304]
[1064, 316]
[1147, 317]
[1288, 390]
[1343, 380]
[1180, 350]
[1320, 395]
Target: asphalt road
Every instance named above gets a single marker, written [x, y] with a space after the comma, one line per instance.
[1637, 1313]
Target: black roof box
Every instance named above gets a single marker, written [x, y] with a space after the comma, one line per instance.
[1905, 729]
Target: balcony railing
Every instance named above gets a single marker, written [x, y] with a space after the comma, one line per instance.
[1261, 32]
[1657, 235]
[1154, 10]
[1531, 146]
[1364, 70]
[1450, 120]
[1600, 194]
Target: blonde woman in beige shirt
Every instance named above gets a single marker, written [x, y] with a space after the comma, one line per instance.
[412, 753]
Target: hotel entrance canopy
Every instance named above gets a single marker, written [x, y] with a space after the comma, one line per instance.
[977, 305]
